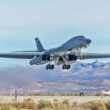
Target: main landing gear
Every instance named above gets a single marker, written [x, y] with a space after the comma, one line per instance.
[67, 67]
[64, 67]
[50, 66]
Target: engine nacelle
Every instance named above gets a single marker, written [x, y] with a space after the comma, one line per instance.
[46, 57]
[71, 57]
[40, 59]
[36, 60]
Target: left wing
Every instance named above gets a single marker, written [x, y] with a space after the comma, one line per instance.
[18, 55]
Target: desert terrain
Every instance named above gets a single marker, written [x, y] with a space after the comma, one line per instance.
[55, 103]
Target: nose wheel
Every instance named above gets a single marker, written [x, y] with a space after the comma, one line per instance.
[67, 67]
[49, 66]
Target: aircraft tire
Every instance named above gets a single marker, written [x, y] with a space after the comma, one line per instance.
[51, 67]
[66, 67]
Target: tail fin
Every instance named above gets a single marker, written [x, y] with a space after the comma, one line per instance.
[39, 45]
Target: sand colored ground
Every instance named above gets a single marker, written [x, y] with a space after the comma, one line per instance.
[78, 99]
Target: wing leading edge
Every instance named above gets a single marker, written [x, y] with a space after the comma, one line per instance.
[93, 56]
[18, 55]
[30, 55]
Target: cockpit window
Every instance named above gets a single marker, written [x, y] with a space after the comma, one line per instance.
[79, 37]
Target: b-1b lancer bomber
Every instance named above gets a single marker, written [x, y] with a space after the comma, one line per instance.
[64, 55]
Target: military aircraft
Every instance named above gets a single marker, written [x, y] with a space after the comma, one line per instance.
[64, 55]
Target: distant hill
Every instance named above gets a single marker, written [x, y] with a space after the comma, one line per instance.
[94, 74]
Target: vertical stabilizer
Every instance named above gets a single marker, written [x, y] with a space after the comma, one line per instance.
[39, 45]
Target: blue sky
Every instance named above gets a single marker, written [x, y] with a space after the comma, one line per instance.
[54, 22]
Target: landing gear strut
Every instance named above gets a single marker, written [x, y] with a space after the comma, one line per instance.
[66, 67]
[49, 66]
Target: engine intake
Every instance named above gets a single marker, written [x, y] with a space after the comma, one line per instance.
[46, 57]
[72, 57]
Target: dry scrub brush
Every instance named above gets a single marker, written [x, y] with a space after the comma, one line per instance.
[58, 105]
